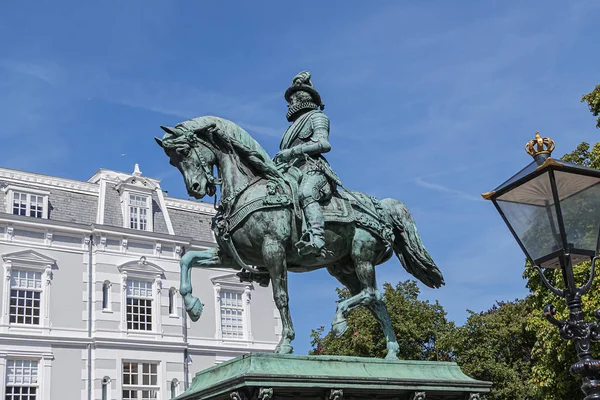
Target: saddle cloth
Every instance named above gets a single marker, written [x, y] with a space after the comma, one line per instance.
[338, 209]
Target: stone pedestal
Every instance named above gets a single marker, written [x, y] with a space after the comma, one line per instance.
[262, 376]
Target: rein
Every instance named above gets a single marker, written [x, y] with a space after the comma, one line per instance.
[212, 181]
[222, 220]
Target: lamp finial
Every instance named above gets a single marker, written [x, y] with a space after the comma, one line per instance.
[540, 145]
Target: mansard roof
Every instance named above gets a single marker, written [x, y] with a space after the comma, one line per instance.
[100, 201]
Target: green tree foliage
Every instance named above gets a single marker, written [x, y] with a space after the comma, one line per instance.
[593, 101]
[582, 155]
[495, 346]
[552, 356]
[417, 323]
[511, 344]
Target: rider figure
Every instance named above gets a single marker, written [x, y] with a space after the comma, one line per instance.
[302, 146]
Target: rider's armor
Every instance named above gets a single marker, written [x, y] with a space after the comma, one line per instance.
[307, 138]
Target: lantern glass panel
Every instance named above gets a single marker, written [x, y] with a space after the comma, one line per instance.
[529, 209]
[580, 207]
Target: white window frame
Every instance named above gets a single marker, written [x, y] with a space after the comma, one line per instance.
[108, 307]
[140, 387]
[23, 365]
[139, 301]
[28, 260]
[10, 195]
[44, 360]
[148, 200]
[137, 186]
[143, 271]
[29, 292]
[174, 308]
[231, 283]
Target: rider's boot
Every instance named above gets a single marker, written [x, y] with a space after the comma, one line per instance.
[313, 240]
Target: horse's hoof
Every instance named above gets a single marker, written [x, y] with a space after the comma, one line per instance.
[195, 311]
[339, 328]
[284, 349]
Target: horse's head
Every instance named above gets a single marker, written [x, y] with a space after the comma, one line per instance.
[193, 157]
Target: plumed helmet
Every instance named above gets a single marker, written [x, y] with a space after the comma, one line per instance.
[302, 82]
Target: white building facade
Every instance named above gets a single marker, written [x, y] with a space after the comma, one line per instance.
[122, 332]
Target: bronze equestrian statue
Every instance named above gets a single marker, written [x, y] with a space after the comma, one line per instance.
[291, 214]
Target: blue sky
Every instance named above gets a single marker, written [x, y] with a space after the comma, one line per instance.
[430, 102]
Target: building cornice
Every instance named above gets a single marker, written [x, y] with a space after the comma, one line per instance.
[42, 224]
[48, 181]
[63, 226]
[190, 205]
[116, 177]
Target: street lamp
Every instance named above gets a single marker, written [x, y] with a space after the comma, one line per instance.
[552, 208]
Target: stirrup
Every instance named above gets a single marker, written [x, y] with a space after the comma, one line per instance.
[308, 245]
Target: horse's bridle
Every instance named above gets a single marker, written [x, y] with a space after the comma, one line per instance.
[212, 181]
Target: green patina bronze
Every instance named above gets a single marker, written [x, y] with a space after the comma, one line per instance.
[267, 376]
[292, 214]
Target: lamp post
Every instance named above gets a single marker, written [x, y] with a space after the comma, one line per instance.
[552, 208]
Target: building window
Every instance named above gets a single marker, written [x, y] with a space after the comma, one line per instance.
[138, 212]
[173, 302]
[21, 380]
[25, 297]
[106, 295]
[140, 380]
[26, 291]
[22, 202]
[232, 315]
[139, 305]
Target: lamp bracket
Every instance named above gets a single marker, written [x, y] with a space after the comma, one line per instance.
[585, 288]
[556, 291]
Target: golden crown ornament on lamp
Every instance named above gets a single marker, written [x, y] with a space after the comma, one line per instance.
[540, 145]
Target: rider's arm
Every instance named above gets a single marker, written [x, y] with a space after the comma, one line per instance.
[319, 140]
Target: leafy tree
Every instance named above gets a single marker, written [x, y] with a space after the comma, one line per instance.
[417, 323]
[582, 155]
[593, 101]
[552, 355]
[511, 344]
[495, 346]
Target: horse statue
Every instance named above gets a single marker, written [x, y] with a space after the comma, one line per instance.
[258, 222]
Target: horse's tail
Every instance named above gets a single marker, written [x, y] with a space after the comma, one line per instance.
[408, 245]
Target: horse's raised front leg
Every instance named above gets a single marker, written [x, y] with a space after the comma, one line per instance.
[195, 259]
[274, 258]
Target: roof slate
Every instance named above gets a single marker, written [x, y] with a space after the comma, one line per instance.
[81, 207]
[194, 225]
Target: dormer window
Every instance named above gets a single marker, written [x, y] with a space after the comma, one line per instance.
[136, 201]
[27, 202]
[139, 210]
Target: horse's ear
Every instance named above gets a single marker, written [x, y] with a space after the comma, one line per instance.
[170, 130]
[159, 141]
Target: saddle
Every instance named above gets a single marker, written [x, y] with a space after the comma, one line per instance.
[343, 206]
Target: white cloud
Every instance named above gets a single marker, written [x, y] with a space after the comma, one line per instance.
[441, 188]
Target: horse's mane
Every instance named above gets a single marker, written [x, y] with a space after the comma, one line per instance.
[234, 138]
